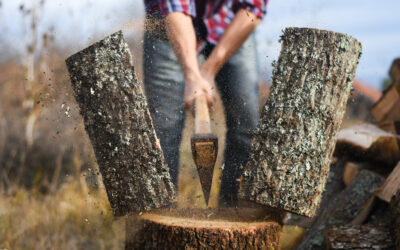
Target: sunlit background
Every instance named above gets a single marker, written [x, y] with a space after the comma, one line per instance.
[51, 193]
[76, 23]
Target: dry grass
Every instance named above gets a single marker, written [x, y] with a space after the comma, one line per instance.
[73, 217]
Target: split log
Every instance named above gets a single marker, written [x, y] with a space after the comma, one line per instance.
[351, 170]
[119, 126]
[387, 108]
[391, 185]
[395, 218]
[296, 135]
[359, 237]
[368, 142]
[343, 208]
[391, 127]
[205, 229]
[394, 71]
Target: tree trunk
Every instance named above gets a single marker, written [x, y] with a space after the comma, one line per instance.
[395, 216]
[296, 135]
[120, 128]
[343, 208]
[359, 237]
[204, 229]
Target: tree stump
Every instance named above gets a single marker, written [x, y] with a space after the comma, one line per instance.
[297, 132]
[204, 229]
[120, 128]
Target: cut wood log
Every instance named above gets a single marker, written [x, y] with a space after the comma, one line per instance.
[395, 218]
[387, 108]
[359, 237]
[394, 71]
[391, 127]
[391, 185]
[204, 229]
[119, 126]
[343, 208]
[351, 170]
[296, 135]
[368, 142]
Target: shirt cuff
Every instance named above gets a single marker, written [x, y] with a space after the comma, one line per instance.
[186, 7]
[258, 9]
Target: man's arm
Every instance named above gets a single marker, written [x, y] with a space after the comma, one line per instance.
[237, 32]
[182, 37]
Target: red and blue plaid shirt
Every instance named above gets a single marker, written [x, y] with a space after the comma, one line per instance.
[211, 17]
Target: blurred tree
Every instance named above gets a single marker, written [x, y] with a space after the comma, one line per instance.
[33, 15]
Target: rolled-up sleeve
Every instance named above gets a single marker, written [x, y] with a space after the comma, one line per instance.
[187, 7]
[257, 7]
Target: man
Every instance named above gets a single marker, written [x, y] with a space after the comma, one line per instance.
[178, 34]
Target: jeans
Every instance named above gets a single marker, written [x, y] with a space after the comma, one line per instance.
[237, 83]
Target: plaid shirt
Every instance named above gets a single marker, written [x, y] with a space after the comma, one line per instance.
[210, 17]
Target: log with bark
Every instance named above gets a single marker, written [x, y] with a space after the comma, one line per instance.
[343, 208]
[204, 229]
[368, 142]
[119, 126]
[391, 185]
[359, 237]
[296, 135]
[394, 71]
[386, 110]
[395, 218]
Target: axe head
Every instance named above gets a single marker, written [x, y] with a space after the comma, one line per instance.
[205, 151]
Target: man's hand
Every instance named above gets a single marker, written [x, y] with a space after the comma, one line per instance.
[181, 35]
[196, 85]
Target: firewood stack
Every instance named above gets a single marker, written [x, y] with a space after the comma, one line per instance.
[363, 208]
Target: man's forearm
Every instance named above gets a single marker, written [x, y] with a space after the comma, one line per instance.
[238, 31]
[182, 37]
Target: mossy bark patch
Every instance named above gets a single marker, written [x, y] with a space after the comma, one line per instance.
[120, 128]
[296, 135]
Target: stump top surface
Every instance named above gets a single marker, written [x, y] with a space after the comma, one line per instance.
[227, 218]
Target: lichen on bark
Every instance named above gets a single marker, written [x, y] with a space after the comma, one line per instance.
[120, 128]
[297, 131]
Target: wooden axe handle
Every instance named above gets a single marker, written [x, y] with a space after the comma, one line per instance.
[201, 116]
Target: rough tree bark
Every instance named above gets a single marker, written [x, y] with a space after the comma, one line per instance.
[343, 208]
[204, 229]
[395, 216]
[120, 128]
[296, 135]
[359, 237]
[334, 186]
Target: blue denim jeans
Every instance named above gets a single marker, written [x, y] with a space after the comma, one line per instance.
[237, 83]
